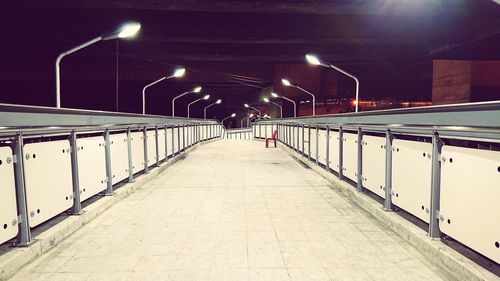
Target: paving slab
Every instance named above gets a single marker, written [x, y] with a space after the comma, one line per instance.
[233, 210]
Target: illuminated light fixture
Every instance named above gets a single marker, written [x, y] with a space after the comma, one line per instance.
[248, 106]
[206, 97]
[287, 99]
[127, 30]
[178, 73]
[206, 107]
[280, 107]
[287, 83]
[314, 60]
[196, 89]
[230, 116]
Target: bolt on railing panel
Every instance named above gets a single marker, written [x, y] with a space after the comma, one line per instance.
[470, 196]
[48, 179]
[411, 177]
[91, 166]
[8, 206]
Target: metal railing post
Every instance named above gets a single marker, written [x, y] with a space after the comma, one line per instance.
[327, 160]
[24, 238]
[341, 153]
[76, 209]
[360, 160]
[178, 139]
[437, 144]
[109, 172]
[317, 144]
[157, 145]
[388, 170]
[129, 151]
[145, 142]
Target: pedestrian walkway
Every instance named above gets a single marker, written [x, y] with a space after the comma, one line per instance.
[232, 210]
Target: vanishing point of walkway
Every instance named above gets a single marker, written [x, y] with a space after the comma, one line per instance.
[232, 210]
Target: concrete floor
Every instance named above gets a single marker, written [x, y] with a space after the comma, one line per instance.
[233, 210]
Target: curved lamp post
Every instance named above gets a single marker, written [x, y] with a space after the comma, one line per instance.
[248, 106]
[232, 115]
[193, 90]
[290, 100]
[177, 73]
[125, 31]
[287, 83]
[206, 97]
[281, 108]
[206, 107]
[314, 60]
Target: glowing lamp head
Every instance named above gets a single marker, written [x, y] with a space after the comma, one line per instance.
[233, 115]
[274, 95]
[129, 30]
[206, 97]
[312, 59]
[266, 99]
[286, 82]
[218, 101]
[246, 105]
[251, 115]
[179, 72]
[196, 89]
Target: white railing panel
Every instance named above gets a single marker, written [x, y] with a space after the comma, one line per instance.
[151, 142]
[161, 144]
[374, 164]
[8, 207]
[203, 132]
[470, 185]
[169, 141]
[137, 152]
[350, 156]
[306, 140]
[119, 157]
[91, 166]
[322, 146]
[48, 180]
[181, 138]
[301, 139]
[333, 151]
[313, 141]
[269, 131]
[411, 177]
[176, 139]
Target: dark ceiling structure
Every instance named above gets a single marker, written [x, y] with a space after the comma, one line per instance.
[233, 48]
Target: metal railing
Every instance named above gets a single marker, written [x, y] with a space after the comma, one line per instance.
[238, 134]
[441, 164]
[51, 160]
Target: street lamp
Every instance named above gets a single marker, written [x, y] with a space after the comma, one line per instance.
[193, 90]
[179, 72]
[206, 97]
[248, 106]
[290, 100]
[232, 115]
[205, 109]
[127, 30]
[314, 60]
[281, 108]
[287, 83]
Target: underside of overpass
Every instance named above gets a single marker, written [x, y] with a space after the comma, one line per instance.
[233, 210]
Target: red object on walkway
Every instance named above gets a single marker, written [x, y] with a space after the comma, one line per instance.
[273, 138]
